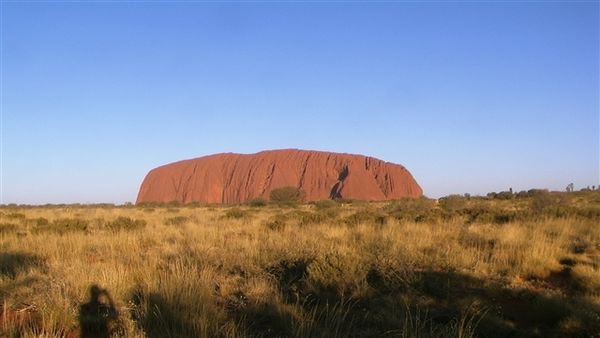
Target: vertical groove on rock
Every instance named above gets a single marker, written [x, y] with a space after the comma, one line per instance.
[303, 175]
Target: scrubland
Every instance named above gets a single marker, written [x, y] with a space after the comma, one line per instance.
[520, 266]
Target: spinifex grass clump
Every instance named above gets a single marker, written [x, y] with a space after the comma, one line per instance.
[126, 223]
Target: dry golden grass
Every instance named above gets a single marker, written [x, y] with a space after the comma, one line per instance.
[336, 271]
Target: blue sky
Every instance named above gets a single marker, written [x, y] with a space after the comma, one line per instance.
[469, 96]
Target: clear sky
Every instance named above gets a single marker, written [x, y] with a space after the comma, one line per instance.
[469, 96]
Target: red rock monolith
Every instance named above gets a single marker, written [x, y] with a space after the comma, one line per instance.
[237, 178]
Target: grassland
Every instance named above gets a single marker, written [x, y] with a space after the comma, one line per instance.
[526, 266]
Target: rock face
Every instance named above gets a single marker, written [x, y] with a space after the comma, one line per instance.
[237, 178]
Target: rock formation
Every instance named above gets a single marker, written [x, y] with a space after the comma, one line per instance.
[237, 178]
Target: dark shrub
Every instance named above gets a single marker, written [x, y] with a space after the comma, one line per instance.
[178, 220]
[287, 195]
[365, 216]
[307, 218]
[15, 215]
[277, 222]
[325, 204]
[535, 192]
[236, 213]
[64, 225]
[414, 209]
[257, 202]
[41, 221]
[7, 228]
[126, 223]
[504, 195]
[504, 217]
[522, 194]
[453, 203]
[547, 200]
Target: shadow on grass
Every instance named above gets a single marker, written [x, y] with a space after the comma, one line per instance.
[11, 263]
[99, 317]
[159, 318]
[14, 269]
[263, 319]
[437, 303]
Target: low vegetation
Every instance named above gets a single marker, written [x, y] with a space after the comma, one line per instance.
[524, 265]
[287, 195]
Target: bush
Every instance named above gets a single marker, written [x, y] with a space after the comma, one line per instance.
[307, 218]
[287, 195]
[325, 204]
[536, 192]
[63, 225]
[126, 223]
[504, 195]
[15, 215]
[236, 213]
[277, 222]
[414, 209]
[453, 203]
[178, 220]
[257, 202]
[7, 227]
[41, 221]
[366, 217]
[543, 201]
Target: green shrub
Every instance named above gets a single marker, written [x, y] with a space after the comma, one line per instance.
[325, 204]
[236, 213]
[365, 217]
[490, 213]
[174, 204]
[307, 218]
[7, 228]
[535, 192]
[126, 223]
[178, 220]
[547, 200]
[257, 202]
[504, 195]
[15, 215]
[504, 217]
[453, 203]
[414, 209]
[287, 195]
[329, 213]
[63, 225]
[41, 221]
[277, 222]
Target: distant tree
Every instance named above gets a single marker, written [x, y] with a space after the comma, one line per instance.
[504, 195]
[570, 187]
[534, 192]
